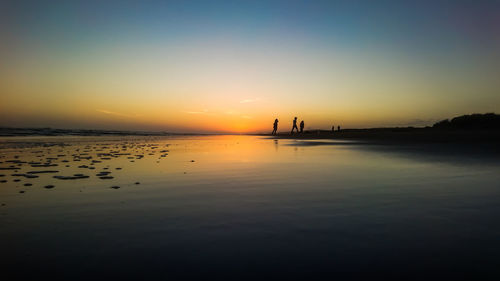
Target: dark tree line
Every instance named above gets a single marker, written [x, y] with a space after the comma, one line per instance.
[473, 121]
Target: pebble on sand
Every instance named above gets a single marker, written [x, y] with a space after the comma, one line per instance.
[115, 187]
[49, 186]
[70, 177]
[28, 184]
[29, 176]
[44, 165]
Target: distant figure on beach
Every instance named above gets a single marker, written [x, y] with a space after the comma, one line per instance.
[301, 126]
[333, 128]
[275, 127]
[338, 128]
[294, 125]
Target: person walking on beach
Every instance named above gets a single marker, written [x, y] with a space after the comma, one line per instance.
[301, 126]
[294, 126]
[275, 127]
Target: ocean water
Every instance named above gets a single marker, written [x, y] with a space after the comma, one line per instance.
[246, 207]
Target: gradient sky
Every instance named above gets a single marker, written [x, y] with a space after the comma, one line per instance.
[234, 66]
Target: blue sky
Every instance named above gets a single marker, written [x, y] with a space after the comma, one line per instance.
[342, 52]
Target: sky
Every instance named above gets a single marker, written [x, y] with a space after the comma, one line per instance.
[235, 66]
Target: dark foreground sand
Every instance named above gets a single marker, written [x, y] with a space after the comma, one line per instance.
[246, 208]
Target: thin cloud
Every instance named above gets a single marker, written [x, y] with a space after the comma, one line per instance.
[114, 113]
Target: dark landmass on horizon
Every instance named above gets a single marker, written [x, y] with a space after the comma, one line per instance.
[462, 129]
[474, 128]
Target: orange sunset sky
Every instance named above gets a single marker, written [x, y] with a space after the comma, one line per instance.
[188, 66]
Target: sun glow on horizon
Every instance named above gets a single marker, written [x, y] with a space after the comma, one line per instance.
[184, 67]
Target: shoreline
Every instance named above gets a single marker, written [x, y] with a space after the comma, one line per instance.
[395, 135]
[398, 135]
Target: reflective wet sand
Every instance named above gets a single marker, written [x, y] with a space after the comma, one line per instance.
[243, 207]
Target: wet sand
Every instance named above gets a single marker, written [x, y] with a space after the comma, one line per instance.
[71, 159]
[401, 135]
[244, 207]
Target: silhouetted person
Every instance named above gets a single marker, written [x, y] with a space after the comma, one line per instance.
[338, 128]
[294, 125]
[333, 128]
[301, 126]
[275, 127]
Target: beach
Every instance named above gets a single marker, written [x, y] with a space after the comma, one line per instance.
[397, 135]
[242, 207]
